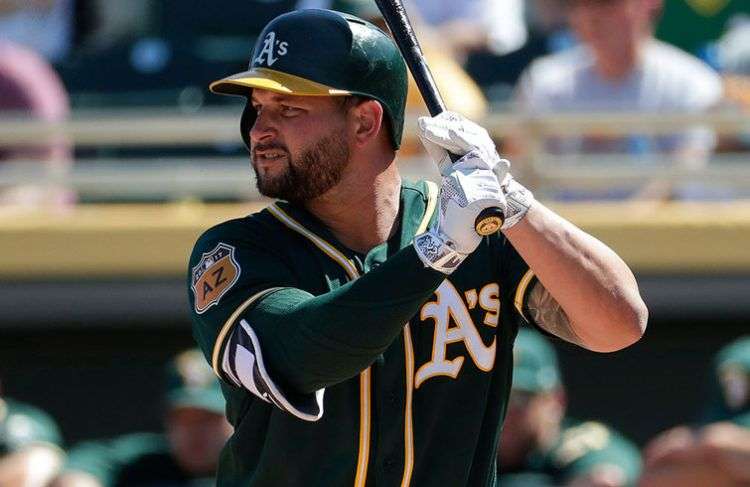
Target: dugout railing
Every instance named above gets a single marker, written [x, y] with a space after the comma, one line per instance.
[146, 154]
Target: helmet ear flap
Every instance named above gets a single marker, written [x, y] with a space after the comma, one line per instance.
[247, 121]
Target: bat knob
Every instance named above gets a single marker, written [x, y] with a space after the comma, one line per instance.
[489, 221]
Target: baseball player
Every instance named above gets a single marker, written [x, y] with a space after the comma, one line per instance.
[361, 327]
[541, 445]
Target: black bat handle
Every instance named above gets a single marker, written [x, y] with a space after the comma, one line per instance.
[489, 220]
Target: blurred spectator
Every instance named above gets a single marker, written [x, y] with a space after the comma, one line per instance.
[732, 380]
[733, 58]
[733, 48]
[539, 446]
[692, 25]
[548, 32]
[30, 453]
[717, 452]
[187, 453]
[45, 26]
[29, 87]
[619, 67]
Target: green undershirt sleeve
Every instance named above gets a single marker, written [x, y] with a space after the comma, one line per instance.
[311, 342]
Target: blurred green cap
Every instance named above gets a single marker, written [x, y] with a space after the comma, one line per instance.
[733, 371]
[191, 383]
[535, 367]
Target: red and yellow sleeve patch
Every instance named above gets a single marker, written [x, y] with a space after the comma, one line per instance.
[213, 276]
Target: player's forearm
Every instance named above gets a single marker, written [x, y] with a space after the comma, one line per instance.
[595, 288]
[313, 342]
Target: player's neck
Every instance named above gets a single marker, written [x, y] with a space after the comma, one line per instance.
[362, 211]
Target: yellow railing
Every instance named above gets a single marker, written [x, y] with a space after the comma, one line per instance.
[147, 126]
[156, 177]
[155, 240]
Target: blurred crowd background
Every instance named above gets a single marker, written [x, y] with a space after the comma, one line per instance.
[629, 117]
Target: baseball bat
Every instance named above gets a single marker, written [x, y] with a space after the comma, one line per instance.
[489, 220]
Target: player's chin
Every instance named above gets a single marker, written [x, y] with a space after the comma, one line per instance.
[274, 185]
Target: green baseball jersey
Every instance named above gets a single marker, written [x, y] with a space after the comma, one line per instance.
[344, 369]
[580, 448]
[133, 460]
[22, 425]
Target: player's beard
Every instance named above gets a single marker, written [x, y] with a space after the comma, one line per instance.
[310, 174]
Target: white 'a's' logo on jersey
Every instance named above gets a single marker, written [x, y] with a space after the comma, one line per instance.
[272, 50]
[453, 323]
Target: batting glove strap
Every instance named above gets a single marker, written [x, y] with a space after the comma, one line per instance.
[436, 251]
[518, 200]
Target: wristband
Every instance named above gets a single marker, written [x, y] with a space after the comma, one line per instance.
[437, 252]
[518, 201]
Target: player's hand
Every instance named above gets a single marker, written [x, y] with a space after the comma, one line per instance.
[451, 132]
[468, 188]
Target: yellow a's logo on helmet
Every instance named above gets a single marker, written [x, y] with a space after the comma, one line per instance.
[272, 50]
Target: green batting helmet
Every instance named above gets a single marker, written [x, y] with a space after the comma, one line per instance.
[316, 52]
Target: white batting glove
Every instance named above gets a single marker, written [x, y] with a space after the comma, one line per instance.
[451, 132]
[466, 190]
[480, 179]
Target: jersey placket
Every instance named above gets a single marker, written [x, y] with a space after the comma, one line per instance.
[398, 402]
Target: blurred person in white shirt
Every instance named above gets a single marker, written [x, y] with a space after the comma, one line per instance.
[619, 67]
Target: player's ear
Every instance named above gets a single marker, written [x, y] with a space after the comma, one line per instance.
[367, 116]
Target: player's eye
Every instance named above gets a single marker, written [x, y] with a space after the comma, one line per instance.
[289, 111]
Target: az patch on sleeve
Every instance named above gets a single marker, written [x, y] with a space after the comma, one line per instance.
[213, 276]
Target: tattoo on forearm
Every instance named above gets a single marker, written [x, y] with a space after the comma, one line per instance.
[549, 315]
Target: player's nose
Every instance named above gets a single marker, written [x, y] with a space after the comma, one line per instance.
[264, 129]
